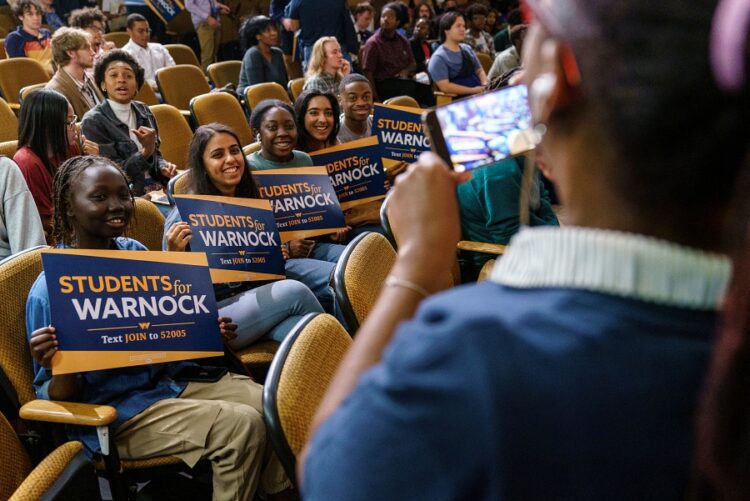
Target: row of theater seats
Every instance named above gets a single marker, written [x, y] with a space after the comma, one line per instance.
[301, 368]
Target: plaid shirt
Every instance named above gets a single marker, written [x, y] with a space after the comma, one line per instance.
[483, 43]
[323, 82]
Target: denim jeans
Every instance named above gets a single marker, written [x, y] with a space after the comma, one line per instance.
[317, 274]
[271, 310]
[358, 230]
[325, 251]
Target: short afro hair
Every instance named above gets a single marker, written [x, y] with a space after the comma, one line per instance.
[112, 57]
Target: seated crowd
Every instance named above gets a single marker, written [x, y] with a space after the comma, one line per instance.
[583, 365]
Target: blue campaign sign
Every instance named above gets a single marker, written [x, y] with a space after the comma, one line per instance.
[400, 132]
[238, 235]
[303, 201]
[125, 308]
[165, 9]
[355, 170]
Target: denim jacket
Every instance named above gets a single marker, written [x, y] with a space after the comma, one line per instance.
[101, 126]
[130, 390]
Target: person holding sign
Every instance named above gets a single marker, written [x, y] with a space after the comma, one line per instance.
[355, 97]
[158, 413]
[217, 167]
[317, 120]
[275, 124]
[310, 262]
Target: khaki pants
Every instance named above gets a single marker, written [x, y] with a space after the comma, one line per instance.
[209, 39]
[221, 422]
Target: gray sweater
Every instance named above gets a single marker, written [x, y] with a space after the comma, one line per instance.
[20, 224]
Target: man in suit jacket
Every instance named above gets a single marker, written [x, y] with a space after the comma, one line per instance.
[73, 55]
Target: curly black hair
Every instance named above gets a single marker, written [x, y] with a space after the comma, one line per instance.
[253, 27]
[113, 56]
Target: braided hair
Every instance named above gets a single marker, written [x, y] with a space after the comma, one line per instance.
[66, 175]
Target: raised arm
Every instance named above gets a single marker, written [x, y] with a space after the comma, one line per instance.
[428, 245]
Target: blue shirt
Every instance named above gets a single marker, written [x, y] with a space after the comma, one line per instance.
[446, 64]
[535, 391]
[130, 390]
[317, 18]
[53, 20]
[558, 394]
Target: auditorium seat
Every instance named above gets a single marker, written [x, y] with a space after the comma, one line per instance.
[182, 54]
[120, 38]
[8, 122]
[179, 84]
[18, 72]
[402, 101]
[254, 94]
[17, 274]
[295, 87]
[29, 89]
[147, 224]
[222, 108]
[224, 72]
[174, 133]
[65, 473]
[359, 275]
[297, 380]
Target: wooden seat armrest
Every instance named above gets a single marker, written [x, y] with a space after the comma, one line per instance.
[186, 114]
[442, 98]
[486, 247]
[53, 411]
[15, 106]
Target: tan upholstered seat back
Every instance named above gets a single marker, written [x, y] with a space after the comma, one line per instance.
[299, 376]
[308, 370]
[8, 148]
[174, 133]
[8, 122]
[18, 72]
[17, 274]
[402, 101]
[359, 275]
[120, 38]
[267, 90]
[224, 72]
[179, 84]
[222, 108]
[147, 95]
[15, 464]
[295, 87]
[147, 224]
[182, 54]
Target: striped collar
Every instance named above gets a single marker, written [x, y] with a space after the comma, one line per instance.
[610, 262]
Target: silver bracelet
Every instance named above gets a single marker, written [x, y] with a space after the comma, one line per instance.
[392, 281]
